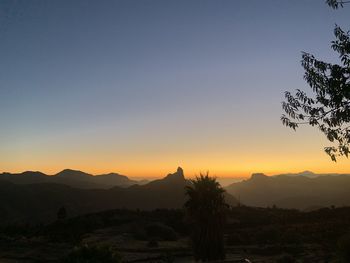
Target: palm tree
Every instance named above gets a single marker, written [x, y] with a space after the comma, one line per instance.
[206, 209]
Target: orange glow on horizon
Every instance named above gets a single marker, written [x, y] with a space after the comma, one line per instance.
[219, 168]
[280, 151]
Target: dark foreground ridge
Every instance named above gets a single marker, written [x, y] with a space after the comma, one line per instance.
[39, 202]
[267, 235]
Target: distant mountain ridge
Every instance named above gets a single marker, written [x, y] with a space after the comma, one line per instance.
[73, 178]
[39, 202]
[311, 174]
[304, 190]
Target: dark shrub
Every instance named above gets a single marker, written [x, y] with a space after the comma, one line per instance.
[161, 232]
[91, 254]
[234, 239]
[152, 243]
[167, 257]
[344, 248]
[139, 232]
[268, 235]
[62, 213]
[286, 259]
[291, 237]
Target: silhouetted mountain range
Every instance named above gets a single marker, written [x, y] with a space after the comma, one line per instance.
[311, 174]
[72, 178]
[39, 202]
[305, 190]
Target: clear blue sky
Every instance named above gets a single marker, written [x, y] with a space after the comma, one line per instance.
[143, 86]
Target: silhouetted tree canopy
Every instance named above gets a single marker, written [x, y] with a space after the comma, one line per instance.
[335, 4]
[206, 209]
[329, 106]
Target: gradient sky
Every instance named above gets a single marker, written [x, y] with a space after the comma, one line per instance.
[141, 87]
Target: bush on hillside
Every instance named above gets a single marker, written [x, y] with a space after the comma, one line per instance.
[286, 258]
[344, 248]
[92, 254]
[161, 232]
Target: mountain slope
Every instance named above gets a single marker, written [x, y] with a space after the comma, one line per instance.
[168, 192]
[301, 192]
[28, 177]
[71, 178]
[40, 202]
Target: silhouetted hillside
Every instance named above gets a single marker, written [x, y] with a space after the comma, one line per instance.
[292, 191]
[311, 174]
[72, 178]
[28, 177]
[41, 201]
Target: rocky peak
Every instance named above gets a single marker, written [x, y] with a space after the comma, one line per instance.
[178, 175]
[258, 176]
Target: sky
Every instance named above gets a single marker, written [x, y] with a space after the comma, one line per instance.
[140, 87]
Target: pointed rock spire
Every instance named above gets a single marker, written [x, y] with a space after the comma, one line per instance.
[178, 175]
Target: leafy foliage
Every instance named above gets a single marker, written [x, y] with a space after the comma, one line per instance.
[206, 209]
[335, 4]
[329, 107]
